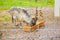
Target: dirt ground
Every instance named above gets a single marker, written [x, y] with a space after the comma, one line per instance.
[51, 31]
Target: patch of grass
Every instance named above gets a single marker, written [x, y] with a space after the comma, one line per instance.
[6, 4]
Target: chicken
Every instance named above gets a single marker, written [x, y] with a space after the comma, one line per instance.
[32, 28]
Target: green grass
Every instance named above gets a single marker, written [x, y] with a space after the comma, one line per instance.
[6, 4]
